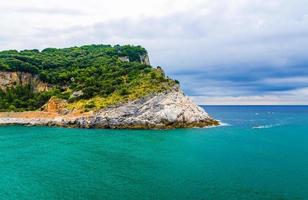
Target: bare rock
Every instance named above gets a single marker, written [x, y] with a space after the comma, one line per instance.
[76, 94]
[56, 105]
[12, 79]
[170, 109]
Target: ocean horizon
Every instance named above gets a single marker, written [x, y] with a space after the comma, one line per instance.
[259, 152]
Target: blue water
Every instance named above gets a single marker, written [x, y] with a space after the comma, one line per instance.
[259, 153]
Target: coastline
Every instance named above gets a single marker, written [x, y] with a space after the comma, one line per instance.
[167, 110]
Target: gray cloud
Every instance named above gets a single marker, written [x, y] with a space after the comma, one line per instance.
[220, 48]
[292, 97]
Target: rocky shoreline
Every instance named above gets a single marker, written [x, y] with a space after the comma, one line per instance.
[170, 109]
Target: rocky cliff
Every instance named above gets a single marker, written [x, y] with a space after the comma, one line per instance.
[11, 79]
[145, 59]
[93, 86]
[170, 109]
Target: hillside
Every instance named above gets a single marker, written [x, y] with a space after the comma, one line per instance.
[93, 86]
[88, 77]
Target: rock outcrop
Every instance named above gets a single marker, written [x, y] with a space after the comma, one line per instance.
[170, 109]
[12, 79]
[55, 105]
[145, 59]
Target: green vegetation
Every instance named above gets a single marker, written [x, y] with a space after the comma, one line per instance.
[21, 98]
[94, 71]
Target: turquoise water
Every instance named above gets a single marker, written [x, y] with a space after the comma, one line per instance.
[261, 154]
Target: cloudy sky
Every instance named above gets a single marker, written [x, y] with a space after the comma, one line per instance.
[222, 51]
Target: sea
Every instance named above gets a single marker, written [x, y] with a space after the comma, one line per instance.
[259, 152]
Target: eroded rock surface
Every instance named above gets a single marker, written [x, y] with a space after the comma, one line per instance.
[12, 79]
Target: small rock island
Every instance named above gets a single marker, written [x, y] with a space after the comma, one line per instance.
[93, 86]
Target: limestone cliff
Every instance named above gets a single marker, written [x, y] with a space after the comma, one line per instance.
[11, 79]
[170, 109]
[145, 59]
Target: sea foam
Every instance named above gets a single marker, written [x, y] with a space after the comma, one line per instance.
[266, 126]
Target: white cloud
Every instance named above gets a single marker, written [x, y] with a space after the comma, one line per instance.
[177, 33]
[238, 47]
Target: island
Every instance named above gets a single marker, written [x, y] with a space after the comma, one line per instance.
[93, 86]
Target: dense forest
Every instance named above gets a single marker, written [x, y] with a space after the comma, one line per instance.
[95, 72]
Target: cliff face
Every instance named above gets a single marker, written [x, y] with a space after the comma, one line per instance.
[171, 109]
[144, 59]
[12, 79]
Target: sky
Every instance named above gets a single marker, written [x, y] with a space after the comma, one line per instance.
[223, 52]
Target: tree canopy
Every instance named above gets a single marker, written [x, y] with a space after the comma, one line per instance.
[95, 71]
